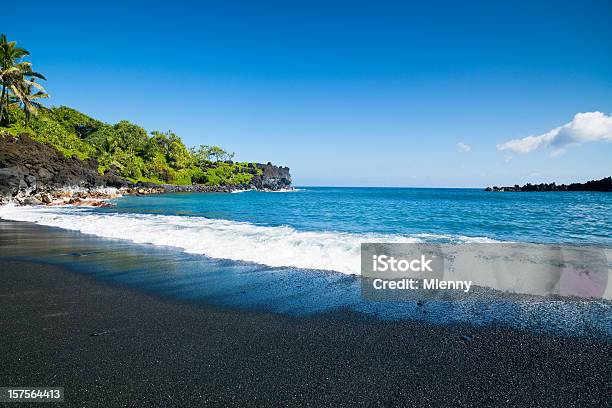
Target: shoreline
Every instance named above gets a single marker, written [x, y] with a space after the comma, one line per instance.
[100, 197]
[163, 268]
[62, 328]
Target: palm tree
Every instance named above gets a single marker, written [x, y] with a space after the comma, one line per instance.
[18, 78]
[9, 55]
[27, 98]
[24, 87]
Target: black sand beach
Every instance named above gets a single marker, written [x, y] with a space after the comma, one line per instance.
[112, 346]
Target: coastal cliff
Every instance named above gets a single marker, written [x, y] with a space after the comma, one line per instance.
[30, 170]
[33, 173]
[272, 177]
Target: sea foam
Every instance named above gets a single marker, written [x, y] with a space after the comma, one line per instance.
[276, 246]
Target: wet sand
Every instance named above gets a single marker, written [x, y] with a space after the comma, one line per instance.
[112, 346]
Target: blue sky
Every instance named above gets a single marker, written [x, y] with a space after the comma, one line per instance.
[345, 93]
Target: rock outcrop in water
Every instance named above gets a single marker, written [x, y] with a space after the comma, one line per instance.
[35, 173]
[273, 177]
[605, 185]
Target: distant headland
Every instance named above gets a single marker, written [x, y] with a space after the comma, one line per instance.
[32, 172]
[604, 185]
[51, 154]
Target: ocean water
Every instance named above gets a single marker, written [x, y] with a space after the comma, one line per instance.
[296, 252]
[429, 214]
[322, 228]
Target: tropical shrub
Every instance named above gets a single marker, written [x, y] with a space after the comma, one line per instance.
[160, 157]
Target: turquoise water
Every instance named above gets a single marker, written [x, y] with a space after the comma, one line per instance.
[570, 217]
[299, 252]
[323, 228]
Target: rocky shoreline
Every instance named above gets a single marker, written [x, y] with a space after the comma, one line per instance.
[101, 197]
[33, 173]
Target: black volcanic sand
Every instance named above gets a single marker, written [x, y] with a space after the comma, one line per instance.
[110, 346]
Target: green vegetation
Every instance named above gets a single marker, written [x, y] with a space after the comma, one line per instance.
[125, 148]
[18, 82]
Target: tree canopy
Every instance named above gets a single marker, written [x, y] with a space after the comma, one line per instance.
[18, 81]
[123, 147]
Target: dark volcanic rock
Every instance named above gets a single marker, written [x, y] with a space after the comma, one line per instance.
[273, 177]
[28, 167]
[604, 185]
[29, 170]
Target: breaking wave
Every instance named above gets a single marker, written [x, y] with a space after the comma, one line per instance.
[241, 241]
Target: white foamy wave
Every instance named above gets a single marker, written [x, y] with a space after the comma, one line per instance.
[241, 241]
[284, 190]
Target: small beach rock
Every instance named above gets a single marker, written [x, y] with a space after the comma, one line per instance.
[46, 198]
[31, 201]
[100, 204]
[31, 180]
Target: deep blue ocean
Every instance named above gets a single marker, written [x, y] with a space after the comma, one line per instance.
[443, 213]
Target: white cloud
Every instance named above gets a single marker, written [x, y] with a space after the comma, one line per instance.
[463, 147]
[585, 127]
[507, 158]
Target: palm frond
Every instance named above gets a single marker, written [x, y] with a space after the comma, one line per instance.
[36, 85]
[24, 66]
[39, 95]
